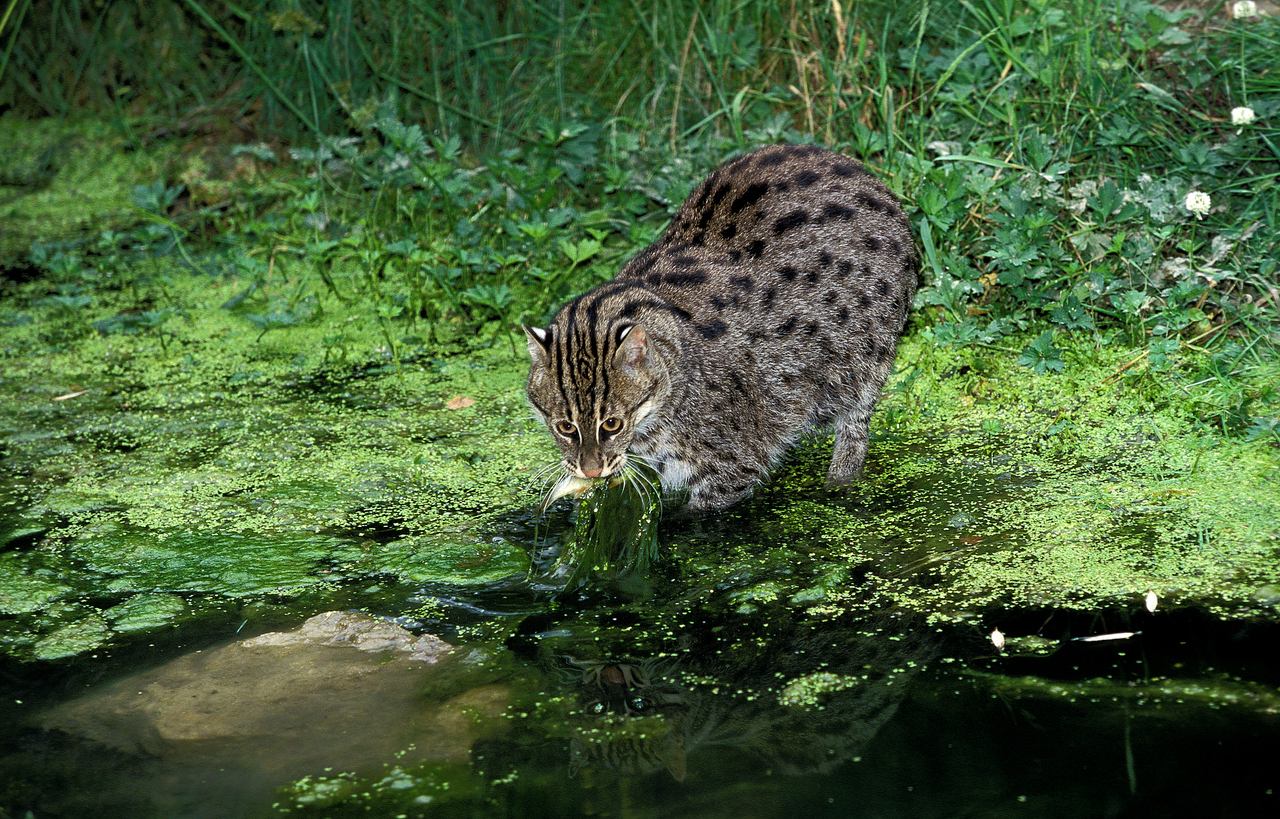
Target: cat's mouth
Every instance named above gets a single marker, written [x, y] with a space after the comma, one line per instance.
[587, 470]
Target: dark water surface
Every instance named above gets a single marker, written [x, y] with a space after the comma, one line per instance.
[671, 701]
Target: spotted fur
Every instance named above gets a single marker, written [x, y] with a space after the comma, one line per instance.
[771, 306]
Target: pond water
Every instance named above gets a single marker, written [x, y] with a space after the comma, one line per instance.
[276, 590]
[761, 692]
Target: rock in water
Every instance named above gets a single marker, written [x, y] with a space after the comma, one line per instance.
[344, 692]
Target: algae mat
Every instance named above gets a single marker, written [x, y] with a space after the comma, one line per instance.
[147, 479]
[142, 481]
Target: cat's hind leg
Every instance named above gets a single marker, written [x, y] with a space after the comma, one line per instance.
[851, 446]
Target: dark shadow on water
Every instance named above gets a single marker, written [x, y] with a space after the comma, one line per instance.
[871, 712]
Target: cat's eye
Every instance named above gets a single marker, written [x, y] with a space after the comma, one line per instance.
[566, 428]
[611, 425]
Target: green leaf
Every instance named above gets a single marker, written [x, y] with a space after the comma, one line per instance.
[1042, 355]
[579, 252]
[1071, 314]
[495, 297]
[1161, 350]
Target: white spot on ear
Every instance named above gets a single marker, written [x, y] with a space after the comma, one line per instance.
[539, 342]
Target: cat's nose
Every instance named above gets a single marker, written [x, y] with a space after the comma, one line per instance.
[592, 473]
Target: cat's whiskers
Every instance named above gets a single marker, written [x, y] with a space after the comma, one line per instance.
[540, 482]
[630, 471]
[545, 473]
[547, 484]
[568, 484]
[643, 459]
[553, 482]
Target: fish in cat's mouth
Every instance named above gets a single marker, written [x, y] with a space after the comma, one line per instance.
[575, 481]
[569, 485]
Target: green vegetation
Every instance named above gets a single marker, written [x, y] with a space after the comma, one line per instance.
[446, 184]
[236, 337]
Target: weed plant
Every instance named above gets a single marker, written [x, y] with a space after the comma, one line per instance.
[1105, 170]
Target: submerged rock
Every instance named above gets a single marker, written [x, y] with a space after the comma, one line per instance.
[358, 630]
[344, 692]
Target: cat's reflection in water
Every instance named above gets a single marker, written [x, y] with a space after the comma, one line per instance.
[799, 694]
[630, 718]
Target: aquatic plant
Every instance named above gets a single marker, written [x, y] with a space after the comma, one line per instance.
[615, 534]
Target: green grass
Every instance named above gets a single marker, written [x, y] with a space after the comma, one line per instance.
[368, 223]
[457, 168]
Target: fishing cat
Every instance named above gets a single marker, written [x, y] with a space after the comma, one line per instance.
[771, 306]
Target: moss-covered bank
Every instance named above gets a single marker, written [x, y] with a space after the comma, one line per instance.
[146, 477]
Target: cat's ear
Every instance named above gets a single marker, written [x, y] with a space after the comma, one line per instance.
[633, 345]
[539, 342]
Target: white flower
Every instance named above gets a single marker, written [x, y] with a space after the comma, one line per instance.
[1242, 115]
[1198, 203]
[1244, 9]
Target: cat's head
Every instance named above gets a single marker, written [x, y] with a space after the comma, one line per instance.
[594, 391]
[630, 720]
